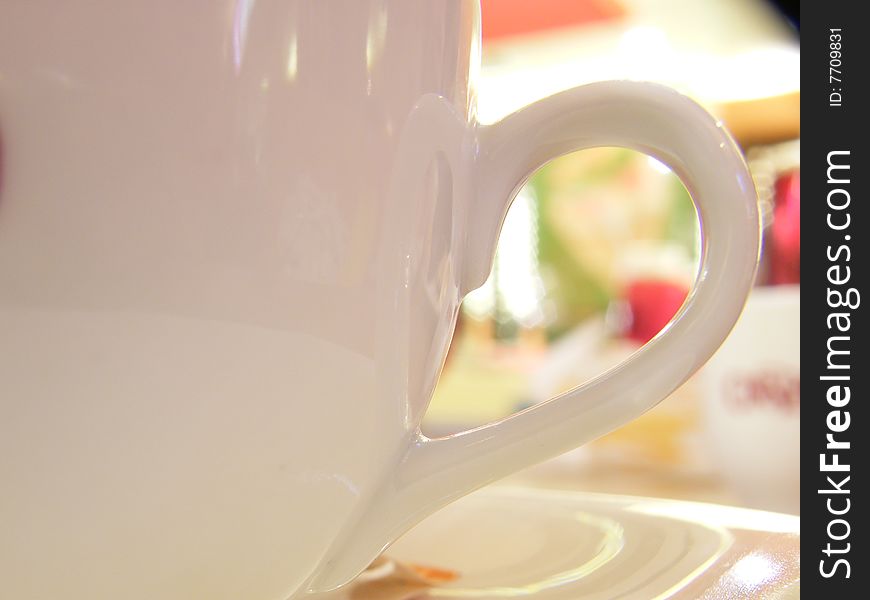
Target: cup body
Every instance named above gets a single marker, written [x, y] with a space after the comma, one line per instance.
[219, 321]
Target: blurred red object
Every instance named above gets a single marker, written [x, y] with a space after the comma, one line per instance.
[508, 18]
[652, 303]
[784, 240]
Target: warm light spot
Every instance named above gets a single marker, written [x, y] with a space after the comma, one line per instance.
[293, 59]
[754, 570]
[376, 38]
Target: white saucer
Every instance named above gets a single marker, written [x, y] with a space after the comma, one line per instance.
[546, 545]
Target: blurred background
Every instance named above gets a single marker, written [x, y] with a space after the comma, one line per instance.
[601, 247]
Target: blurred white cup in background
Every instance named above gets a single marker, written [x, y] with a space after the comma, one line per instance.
[751, 397]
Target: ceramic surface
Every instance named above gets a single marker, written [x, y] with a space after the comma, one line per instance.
[505, 543]
[234, 236]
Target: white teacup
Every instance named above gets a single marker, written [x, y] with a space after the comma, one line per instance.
[234, 237]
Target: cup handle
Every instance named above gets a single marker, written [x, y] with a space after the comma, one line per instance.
[675, 130]
[646, 117]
